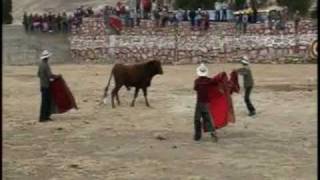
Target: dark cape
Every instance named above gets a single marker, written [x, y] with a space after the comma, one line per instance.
[62, 98]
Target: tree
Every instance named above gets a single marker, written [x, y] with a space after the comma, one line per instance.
[302, 6]
[239, 4]
[194, 4]
[6, 12]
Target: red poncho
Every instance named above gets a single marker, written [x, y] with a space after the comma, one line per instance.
[221, 106]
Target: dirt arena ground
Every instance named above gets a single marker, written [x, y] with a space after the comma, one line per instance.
[98, 142]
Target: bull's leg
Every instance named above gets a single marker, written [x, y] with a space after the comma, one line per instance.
[145, 93]
[135, 96]
[117, 96]
[114, 93]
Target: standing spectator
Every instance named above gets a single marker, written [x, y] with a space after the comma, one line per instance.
[297, 19]
[132, 17]
[90, 12]
[30, 18]
[192, 16]
[138, 15]
[217, 11]
[40, 23]
[198, 19]
[45, 26]
[119, 8]
[126, 16]
[25, 21]
[59, 22]
[255, 16]
[154, 8]
[50, 22]
[171, 18]
[206, 20]
[164, 16]
[70, 19]
[54, 23]
[64, 22]
[270, 22]
[224, 12]
[244, 22]
[157, 17]
[82, 11]
[36, 23]
[185, 15]
[106, 14]
[239, 23]
[179, 16]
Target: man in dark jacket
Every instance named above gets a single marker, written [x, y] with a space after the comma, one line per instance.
[248, 84]
[201, 85]
[192, 16]
[45, 75]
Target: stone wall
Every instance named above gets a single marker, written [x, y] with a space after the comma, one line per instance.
[147, 27]
[219, 45]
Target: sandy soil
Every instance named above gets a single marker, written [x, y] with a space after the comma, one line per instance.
[98, 142]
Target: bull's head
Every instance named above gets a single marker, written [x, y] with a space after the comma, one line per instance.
[154, 67]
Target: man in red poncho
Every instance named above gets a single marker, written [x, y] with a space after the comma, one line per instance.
[201, 85]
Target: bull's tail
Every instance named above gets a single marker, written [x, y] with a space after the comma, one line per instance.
[105, 94]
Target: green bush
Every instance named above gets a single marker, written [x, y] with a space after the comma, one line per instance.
[6, 12]
[314, 14]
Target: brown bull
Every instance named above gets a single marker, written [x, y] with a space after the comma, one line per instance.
[137, 75]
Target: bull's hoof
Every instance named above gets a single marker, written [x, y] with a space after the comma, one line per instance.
[132, 105]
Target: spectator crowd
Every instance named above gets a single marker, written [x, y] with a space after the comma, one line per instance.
[161, 15]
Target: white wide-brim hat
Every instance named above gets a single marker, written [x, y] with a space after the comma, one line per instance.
[45, 54]
[245, 60]
[202, 70]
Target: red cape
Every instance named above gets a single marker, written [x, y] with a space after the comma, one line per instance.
[62, 96]
[221, 106]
